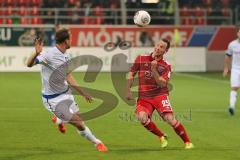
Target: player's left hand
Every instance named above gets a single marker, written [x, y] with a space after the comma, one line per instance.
[38, 45]
[225, 72]
[88, 98]
[153, 65]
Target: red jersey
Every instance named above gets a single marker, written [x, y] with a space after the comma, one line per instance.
[147, 86]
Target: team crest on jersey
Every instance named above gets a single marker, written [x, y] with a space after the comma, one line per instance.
[160, 69]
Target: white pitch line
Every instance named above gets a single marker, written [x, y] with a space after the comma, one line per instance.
[203, 78]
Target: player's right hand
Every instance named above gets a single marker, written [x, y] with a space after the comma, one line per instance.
[154, 65]
[88, 97]
[225, 72]
[129, 95]
[38, 45]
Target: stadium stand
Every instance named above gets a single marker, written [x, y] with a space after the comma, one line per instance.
[191, 12]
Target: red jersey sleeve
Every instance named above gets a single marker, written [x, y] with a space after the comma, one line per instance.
[167, 73]
[136, 66]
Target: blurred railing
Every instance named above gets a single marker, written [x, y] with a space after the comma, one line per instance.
[199, 16]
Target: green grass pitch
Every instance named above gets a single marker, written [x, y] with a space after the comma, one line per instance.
[200, 101]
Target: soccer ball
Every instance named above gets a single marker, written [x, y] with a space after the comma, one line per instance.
[142, 18]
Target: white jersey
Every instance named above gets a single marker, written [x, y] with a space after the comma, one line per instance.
[53, 78]
[234, 51]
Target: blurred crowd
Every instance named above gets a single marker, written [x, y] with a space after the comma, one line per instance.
[192, 12]
[217, 11]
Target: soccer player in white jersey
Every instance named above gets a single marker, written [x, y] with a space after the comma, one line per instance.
[57, 91]
[233, 55]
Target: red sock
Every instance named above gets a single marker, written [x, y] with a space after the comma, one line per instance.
[180, 130]
[153, 128]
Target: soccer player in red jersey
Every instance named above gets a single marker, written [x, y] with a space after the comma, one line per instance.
[153, 75]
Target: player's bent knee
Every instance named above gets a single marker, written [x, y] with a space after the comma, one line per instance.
[235, 88]
[170, 119]
[77, 121]
[143, 117]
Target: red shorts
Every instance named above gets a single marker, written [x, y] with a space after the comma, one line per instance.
[160, 103]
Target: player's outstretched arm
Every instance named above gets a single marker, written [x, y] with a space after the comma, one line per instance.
[159, 79]
[133, 71]
[72, 82]
[227, 61]
[38, 50]
[130, 80]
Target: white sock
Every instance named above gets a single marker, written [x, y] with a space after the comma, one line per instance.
[59, 121]
[88, 135]
[233, 99]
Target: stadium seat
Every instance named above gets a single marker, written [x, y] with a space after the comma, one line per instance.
[22, 10]
[209, 10]
[9, 2]
[2, 2]
[200, 21]
[1, 21]
[198, 11]
[75, 13]
[98, 11]
[9, 21]
[34, 10]
[35, 2]
[72, 1]
[186, 15]
[23, 20]
[36, 20]
[9, 10]
[99, 20]
[188, 21]
[1, 12]
[225, 12]
[207, 2]
[22, 2]
[225, 3]
[87, 20]
[184, 11]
